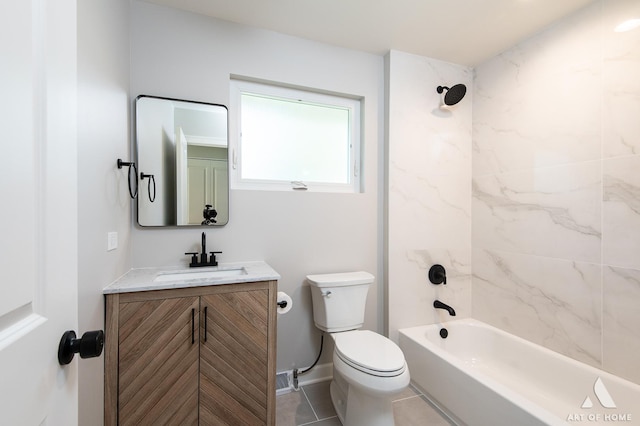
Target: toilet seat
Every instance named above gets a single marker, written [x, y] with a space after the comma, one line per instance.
[370, 353]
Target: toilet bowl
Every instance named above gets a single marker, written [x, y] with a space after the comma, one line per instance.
[368, 369]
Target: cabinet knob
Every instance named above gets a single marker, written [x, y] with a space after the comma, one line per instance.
[89, 346]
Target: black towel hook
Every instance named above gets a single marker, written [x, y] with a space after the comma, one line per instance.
[152, 178]
[132, 167]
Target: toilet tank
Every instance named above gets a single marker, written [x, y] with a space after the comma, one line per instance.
[339, 300]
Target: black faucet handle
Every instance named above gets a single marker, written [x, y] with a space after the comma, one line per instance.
[437, 275]
[213, 261]
[194, 258]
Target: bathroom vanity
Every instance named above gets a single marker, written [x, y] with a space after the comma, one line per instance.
[191, 346]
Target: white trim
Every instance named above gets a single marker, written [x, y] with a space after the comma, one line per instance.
[206, 141]
[20, 328]
[319, 373]
[351, 103]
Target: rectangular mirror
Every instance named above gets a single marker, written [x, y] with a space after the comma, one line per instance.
[182, 154]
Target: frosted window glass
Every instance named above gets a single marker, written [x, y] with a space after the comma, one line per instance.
[285, 138]
[292, 140]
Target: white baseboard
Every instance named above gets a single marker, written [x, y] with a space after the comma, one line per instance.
[319, 373]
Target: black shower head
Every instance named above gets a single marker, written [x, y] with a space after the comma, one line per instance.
[454, 94]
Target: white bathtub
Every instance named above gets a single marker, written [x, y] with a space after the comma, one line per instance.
[481, 375]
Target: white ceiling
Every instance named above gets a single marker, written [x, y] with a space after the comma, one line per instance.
[464, 32]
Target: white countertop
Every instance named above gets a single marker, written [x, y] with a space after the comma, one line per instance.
[143, 279]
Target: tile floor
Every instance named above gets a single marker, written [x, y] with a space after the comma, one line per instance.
[311, 405]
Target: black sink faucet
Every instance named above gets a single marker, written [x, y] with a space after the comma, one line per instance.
[439, 305]
[203, 253]
[204, 259]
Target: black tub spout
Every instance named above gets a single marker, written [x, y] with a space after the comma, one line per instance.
[439, 305]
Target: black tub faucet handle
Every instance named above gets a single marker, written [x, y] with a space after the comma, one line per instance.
[437, 274]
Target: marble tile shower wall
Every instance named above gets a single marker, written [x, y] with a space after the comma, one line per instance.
[428, 190]
[556, 189]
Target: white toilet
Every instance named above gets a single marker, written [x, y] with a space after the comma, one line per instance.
[368, 369]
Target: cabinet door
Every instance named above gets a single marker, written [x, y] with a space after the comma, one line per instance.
[158, 362]
[234, 358]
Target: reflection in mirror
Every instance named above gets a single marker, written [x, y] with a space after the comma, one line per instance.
[183, 145]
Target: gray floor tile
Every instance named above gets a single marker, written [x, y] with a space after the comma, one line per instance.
[320, 398]
[410, 408]
[417, 411]
[332, 421]
[293, 409]
[407, 393]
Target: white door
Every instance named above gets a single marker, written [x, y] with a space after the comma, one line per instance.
[38, 210]
[199, 176]
[208, 184]
[181, 178]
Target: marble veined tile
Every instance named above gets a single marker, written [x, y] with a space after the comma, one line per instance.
[539, 103]
[429, 210]
[621, 86]
[537, 123]
[620, 44]
[411, 295]
[422, 140]
[457, 292]
[554, 212]
[570, 42]
[621, 212]
[620, 123]
[428, 149]
[621, 338]
[551, 302]
[429, 189]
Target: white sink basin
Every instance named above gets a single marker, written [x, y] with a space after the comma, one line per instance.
[197, 275]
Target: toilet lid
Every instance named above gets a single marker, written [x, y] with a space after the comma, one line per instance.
[370, 352]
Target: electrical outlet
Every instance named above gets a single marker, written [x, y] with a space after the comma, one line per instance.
[112, 241]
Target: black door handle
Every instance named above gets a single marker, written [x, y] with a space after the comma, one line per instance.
[89, 346]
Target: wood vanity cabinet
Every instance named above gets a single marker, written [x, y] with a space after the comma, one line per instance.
[192, 356]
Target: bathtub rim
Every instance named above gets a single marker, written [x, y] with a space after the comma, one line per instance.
[416, 335]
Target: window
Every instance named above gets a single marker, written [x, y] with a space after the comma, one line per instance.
[285, 138]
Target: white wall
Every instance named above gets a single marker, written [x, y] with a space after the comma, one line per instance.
[103, 198]
[429, 190]
[556, 224]
[188, 56]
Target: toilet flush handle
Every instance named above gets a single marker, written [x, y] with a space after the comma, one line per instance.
[326, 293]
